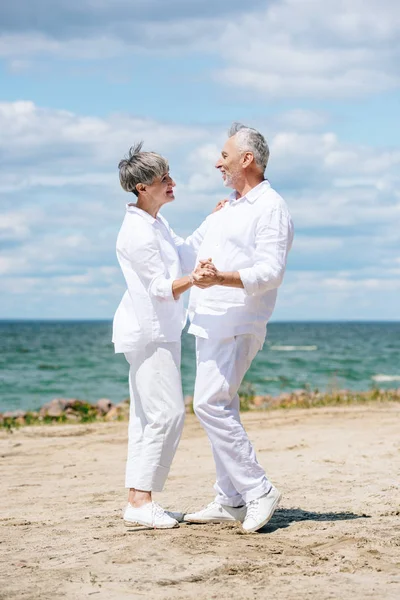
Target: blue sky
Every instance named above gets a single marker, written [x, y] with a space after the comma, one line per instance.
[80, 81]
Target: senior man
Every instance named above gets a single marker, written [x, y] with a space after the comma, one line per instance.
[248, 242]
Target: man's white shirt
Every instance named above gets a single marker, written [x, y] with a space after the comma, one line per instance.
[253, 235]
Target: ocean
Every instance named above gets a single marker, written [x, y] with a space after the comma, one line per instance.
[41, 360]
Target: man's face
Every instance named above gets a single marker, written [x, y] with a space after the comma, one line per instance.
[230, 164]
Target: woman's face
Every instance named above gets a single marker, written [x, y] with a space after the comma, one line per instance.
[161, 190]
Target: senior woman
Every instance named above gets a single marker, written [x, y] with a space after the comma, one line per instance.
[147, 329]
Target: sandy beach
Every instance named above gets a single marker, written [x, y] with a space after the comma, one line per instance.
[335, 535]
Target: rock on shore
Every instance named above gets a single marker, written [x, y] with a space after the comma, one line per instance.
[61, 410]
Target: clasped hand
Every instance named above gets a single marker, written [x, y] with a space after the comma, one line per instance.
[206, 274]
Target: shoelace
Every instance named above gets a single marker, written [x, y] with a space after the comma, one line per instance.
[156, 511]
[212, 504]
[252, 509]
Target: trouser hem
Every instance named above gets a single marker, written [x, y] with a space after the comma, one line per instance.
[153, 482]
[234, 502]
[246, 497]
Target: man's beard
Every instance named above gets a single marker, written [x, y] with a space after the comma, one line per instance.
[228, 181]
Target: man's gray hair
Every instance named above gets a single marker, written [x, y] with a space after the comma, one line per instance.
[251, 140]
[141, 167]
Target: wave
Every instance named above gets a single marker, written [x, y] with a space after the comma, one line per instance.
[294, 348]
[382, 378]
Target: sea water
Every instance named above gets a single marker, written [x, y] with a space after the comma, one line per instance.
[41, 360]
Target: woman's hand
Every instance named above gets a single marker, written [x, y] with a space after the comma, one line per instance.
[206, 274]
[220, 205]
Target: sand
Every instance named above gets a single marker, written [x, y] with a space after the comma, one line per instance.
[336, 534]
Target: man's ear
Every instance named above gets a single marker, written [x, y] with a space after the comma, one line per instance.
[140, 188]
[248, 158]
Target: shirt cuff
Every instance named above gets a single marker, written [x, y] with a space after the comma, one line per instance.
[249, 280]
[162, 289]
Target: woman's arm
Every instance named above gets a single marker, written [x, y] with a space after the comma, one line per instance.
[179, 286]
[144, 256]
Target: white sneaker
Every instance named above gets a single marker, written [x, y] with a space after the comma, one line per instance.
[216, 513]
[260, 511]
[150, 515]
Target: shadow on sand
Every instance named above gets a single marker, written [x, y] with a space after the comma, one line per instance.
[285, 516]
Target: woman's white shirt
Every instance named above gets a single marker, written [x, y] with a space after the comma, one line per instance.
[151, 257]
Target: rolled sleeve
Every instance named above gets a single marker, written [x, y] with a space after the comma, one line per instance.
[145, 259]
[161, 288]
[249, 279]
[274, 238]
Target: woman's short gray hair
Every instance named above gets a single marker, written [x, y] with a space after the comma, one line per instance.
[251, 140]
[141, 167]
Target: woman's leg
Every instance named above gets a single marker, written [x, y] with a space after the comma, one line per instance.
[137, 422]
[156, 417]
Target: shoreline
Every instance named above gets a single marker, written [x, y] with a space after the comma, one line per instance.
[73, 410]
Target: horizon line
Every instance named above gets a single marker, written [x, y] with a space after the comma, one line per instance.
[109, 320]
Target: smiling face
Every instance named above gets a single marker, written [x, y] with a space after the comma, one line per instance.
[160, 191]
[230, 164]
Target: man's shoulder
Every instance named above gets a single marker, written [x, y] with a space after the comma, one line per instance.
[271, 200]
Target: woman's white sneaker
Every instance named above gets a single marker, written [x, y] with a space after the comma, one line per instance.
[216, 513]
[260, 511]
[150, 515]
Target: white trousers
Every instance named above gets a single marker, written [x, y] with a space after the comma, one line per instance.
[157, 413]
[221, 366]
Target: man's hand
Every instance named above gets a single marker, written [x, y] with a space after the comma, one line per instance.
[220, 205]
[206, 274]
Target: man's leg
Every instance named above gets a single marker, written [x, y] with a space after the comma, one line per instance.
[221, 366]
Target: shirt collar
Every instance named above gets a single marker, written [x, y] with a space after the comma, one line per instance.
[252, 194]
[145, 215]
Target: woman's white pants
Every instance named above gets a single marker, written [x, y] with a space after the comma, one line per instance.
[157, 414]
[221, 366]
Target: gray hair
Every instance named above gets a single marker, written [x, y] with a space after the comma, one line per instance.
[141, 167]
[251, 140]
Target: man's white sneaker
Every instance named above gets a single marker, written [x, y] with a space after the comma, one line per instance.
[149, 515]
[260, 511]
[216, 513]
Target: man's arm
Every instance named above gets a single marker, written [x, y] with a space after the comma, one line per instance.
[274, 236]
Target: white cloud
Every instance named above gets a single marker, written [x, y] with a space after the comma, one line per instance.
[13, 226]
[26, 127]
[310, 245]
[350, 295]
[300, 119]
[59, 168]
[324, 49]
[286, 48]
